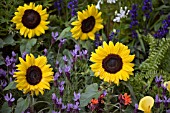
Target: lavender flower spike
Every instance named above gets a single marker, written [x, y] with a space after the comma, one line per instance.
[158, 80]
[76, 97]
[9, 99]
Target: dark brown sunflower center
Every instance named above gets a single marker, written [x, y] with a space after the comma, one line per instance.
[88, 24]
[33, 75]
[31, 19]
[112, 63]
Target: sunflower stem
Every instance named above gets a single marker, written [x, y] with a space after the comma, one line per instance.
[31, 104]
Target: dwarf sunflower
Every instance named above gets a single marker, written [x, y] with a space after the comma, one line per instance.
[33, 75]
[89, 21]
[112, 62]
[31, 20]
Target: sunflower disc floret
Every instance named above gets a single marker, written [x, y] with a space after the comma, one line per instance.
[33, 75]
[112, 62]
[31, 20]
[88, 23]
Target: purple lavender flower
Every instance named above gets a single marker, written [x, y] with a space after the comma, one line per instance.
[76, 108]
[157, 101]
[45, 52]
[85, 53]
[58, 4]
[73, 5]
[9, 99]
[134, 21]
[168, 111]
[54, 37]
[60, 71]
[10, 63]
[147, 8]
[54, 97]
[164, 89]
[67, 71]
[62, 41]
[3, 79]
[136, 108]
[69, 107]
[56, 76]
[77, 47]
[24, 55]
[76, 97]
[166, 101]
[61, 89]
[97, 41]
[63, 107]
[163, 31]
[57, 63]
[158, 80]
[104, 93]
[55, 111]
[65, 59]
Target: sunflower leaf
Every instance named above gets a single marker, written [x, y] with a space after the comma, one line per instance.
[11, 85]
[5, 108]
[22, 104]
[90, 92]
[27, 44]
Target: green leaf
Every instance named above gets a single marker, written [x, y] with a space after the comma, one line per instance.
[27, 44]
[64, 33]
[5, 108]
[2, 43]
[1, 59]
[22, 104]
[90, 92]
[11, 85]
[9, 40]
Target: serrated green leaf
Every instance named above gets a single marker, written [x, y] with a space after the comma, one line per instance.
[90, 92]
[11, 85]
[22, 104]
[5, 108]
[27, 44]
[9, 40]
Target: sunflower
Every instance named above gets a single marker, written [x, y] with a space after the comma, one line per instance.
[31, 20]
[33, 75]
[89, 21]
[112, 62]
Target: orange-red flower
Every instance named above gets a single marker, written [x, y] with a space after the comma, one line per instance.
[125, 99]
[94, 101]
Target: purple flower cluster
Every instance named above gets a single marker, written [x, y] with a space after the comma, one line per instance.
[161, 98]
[164, 29]
[10, 63]
[58, 4]
[9, 99]
[134, 21]
[54, 37]
[69, 107]
[113, 34]
[73, 5]
[77, 53]
[3, 79]
[97, 41]
[147, 8]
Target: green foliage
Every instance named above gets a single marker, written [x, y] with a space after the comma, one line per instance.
[90, 92]
[11, 85]
[22, 104]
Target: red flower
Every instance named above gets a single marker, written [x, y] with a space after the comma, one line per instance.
[125, 99]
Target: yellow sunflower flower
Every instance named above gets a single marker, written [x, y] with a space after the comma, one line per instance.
[89, 21]
[33, 75]
[112, 62]
[31, 20]
[146, 104]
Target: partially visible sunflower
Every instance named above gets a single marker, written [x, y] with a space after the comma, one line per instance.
[31, 20]
[89, 21]
[33, 75]
[112, 62]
